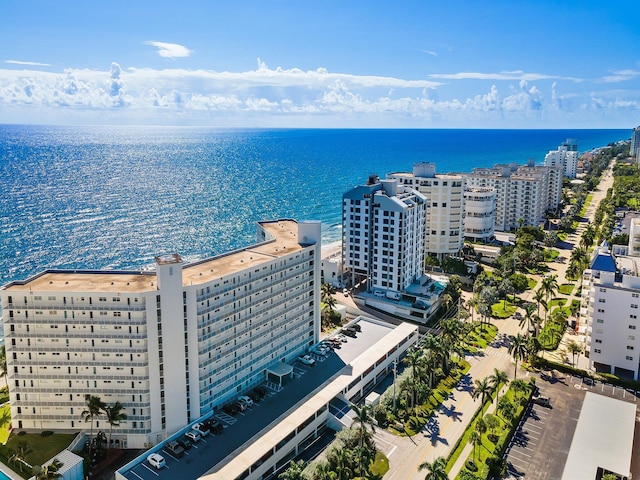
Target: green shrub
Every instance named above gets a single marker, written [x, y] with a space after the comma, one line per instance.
[46, 433]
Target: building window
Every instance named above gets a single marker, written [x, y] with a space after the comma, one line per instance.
[629, 357]
[599, 320]
[601, 300]
[597, 350]
[634, 305]
[598, 340]
[629, 347]
[632, 327]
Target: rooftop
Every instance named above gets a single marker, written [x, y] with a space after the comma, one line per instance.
[284, 241]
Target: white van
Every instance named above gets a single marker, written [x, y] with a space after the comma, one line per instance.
[156, 461]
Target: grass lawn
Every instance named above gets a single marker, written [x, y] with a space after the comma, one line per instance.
[550, 254]
[503, 309]
[487, 448]
[480, 337]
[550, 337]
[566, 288]
[44, 448]
[557, 301]
[380, 465]
[531, 283]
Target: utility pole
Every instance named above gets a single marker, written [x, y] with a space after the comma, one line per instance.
[395, 373]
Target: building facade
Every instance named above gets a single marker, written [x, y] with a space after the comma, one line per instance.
[479, 214]
[635, 143]
[384, 234]
[565, 157]
[610, 305]
[523, 193]
[170, 344]
[445, 207]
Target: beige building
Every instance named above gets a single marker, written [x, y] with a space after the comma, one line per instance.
[171, 344]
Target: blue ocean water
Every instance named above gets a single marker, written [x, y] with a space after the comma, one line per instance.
[114, 197]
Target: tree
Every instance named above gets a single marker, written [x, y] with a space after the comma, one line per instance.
[294, 472]
[482, 388]
[519, 386]
[549, 286]
[507, 409]
[3, 363]
[48, 472]
[95, 408]
[326, 297]
[436, 470]
[475, 439]
[20, 455]
[114, 415]
[518, 350]
[364, 418]
[492, 423]
[574, 349]
[539, 298]
[499, 377]
[506, 287]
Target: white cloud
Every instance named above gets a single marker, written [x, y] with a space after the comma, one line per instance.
[33, 64]
[504, 75]
[620, 76]
[169, 50]
[293, 97]
[428, 52]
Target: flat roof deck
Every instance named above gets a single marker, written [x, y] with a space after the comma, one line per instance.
[257, 430]
[285, 242]
[603, 438]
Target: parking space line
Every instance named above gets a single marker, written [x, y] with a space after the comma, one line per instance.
[519, 453]
[136, 475]
[149, 468]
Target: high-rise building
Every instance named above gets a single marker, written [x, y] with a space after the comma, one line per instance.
[523, 193]
[611, 307]
[383, 228]
[445, 210]
[479, 214]
[635, 143]
[170, 344]
[565, 157]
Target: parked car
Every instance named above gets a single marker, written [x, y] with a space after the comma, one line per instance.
[261, 390]
[199, 427]
[319, 351]
[356, 327]
[341, 338]
[240, 406]
[348, 332]
[175, 449]
[246, 400]
[156, 460]
[254, 395]
[328, 344]
[307, 360]
[230, 408]
[543, 401]
[193, 435]
[185, 442]
[214, 426]
[345, 291]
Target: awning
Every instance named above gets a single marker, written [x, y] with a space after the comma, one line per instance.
[280, 369]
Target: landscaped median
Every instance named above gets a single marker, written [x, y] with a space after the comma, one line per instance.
[490, 434]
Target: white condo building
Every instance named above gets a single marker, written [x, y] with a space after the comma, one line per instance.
[565, 157]
[523, 193]
[479, 214]
[635, 143]
[384, 233]
[611, 306]
[445, 207]
[170, 344]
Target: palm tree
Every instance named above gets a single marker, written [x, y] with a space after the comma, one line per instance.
[574, 349]
[363, 417]
[48, 472]
[294, 472]
[549, 286]
[324, 471]
[341, 459]
[436, 470]
[518, 350]
[414, 358]
[499, 377]
[114, 415]
[20, 455]
[538, 296]
[95, 407]
[482, 389]
[475, 439]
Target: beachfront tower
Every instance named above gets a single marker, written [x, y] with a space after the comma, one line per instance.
[565, 157]
[480, 213]
[171, 344]
[445, 199]
[383, 225]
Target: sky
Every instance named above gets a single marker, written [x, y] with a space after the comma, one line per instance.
[329, 63]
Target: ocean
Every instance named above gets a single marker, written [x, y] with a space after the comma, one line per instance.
[115, 197]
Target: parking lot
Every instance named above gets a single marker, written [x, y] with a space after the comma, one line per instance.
[541, 444]
[241, 428]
